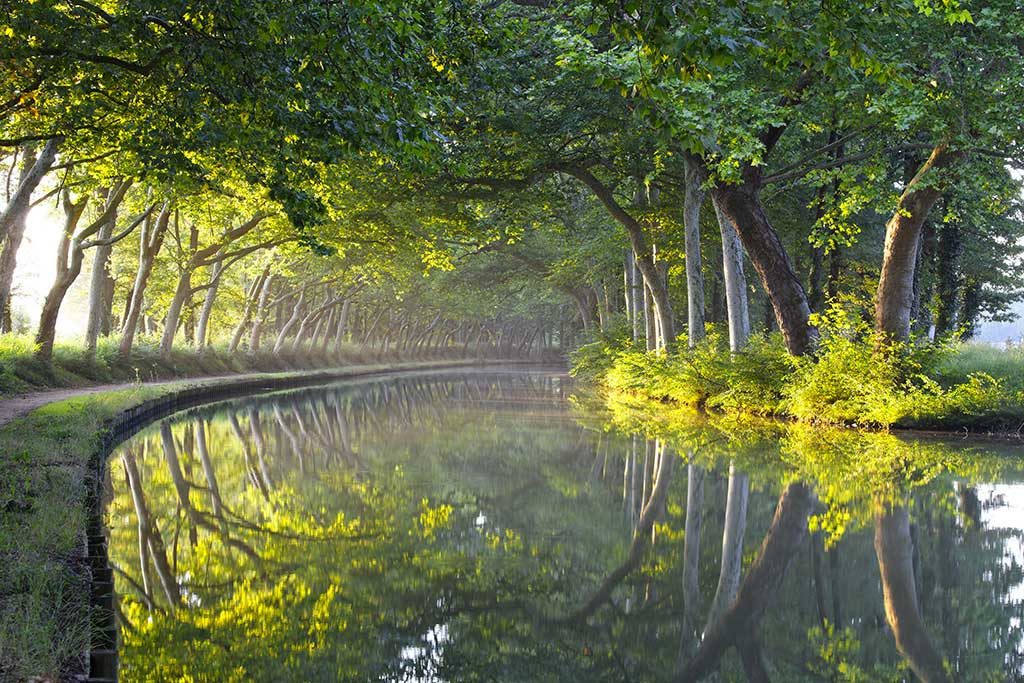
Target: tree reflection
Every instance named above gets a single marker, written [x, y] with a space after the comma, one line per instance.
[470, 528]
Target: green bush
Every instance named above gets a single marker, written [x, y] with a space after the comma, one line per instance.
[853, 378]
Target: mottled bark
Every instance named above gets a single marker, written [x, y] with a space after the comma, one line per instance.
[9, 255]
[290, 323]
[737, 306]
[895, 295]
[99, 277]
[150, 241]
[741, 205]
[692, 202]
[18, 207]
[203, 326]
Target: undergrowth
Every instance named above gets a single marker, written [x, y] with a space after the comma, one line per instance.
[853, 378]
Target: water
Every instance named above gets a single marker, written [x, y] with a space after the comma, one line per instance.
[487, 527]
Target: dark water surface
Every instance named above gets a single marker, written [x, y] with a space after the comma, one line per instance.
[490, 527]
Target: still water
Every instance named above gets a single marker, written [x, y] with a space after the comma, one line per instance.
[488, 526]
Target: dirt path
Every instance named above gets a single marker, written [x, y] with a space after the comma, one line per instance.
[19, 406]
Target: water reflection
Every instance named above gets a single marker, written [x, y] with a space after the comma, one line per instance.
[482, 527]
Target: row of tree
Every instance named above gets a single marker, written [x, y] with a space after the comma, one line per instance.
[755, 162]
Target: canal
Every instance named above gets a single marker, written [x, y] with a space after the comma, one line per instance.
[505, 526]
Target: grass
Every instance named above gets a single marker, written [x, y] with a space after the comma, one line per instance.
[21, 371]
[43, 465]
[43, 618]
[849, 381]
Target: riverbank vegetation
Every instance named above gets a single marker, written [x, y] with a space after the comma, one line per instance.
[849, 381]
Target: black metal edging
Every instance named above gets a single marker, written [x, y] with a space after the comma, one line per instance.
[102, 654]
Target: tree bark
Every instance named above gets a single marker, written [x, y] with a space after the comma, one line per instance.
[150, 241]
[895, 294]
[181, 294]
[202, 328]
[741, 205]
[950, 250]
[66, 274]
[692, 203]
[641, 249]
[98, 283]
[296, 312]
[250, 296]
[264, 294]
[339, 335]
[737, 307]
[18, 207]
[9, 255]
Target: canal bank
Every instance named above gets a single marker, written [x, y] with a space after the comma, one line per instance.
[54, 579]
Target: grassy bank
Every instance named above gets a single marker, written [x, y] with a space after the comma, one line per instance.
[44, 578]
[847, 382]
[21, 371]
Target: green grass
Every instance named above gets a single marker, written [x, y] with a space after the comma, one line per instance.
[848, 381]
[43, 464]
[21, 371]
[43, 618]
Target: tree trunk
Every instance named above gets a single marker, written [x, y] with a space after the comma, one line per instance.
[693, 200]
[182, 293]
[895, 563]
[737, 308]
[741, 205]
[18, 207]
[9, 255]
[202, 328]
[970, 310]
[895, 295]
[261, 311]
[287, 327]
[950, 250]
[150, 241]
[66, 274]
[339, 335]
[644, 254]
[98, 283]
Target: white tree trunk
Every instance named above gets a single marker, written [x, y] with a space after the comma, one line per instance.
[735, 283]
[211, 296]
[100, 264]
[181, 294]
[693, 201]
